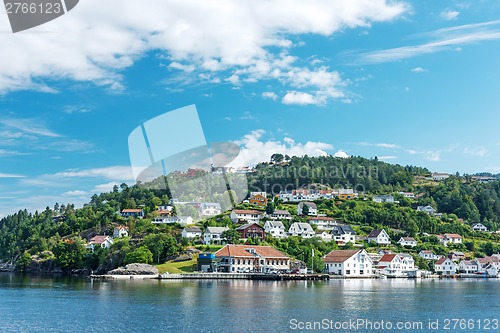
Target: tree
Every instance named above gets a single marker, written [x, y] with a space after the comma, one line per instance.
[231, 236]
[23, 262]
[140, 255]
[305, 209]
[69, 254]
[269, 208]
[277, 158]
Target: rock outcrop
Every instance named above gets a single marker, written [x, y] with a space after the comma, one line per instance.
[135, 269]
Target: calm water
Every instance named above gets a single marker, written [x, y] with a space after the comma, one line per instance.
[37, 304]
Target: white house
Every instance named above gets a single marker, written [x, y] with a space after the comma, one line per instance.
[343, 234]
[213, 235]
[103, 241]
[449, 238]
[191, 232]
[325, 236]
[251, 258]
[469, 266]
[348, 263]
[275, 229]
[409, 195]
[280, 215]
[437, 176]
[407, 241]
[445, 266]
[245, 216]
[313, 210]
[426, 209]
[303, 230]
[383, 198]
[428, 254]
[120, 231]
[479, 227]
[132, 213]
[323, 222]
[210, 208]
[379, 236]
[396, 264]
[182, 220]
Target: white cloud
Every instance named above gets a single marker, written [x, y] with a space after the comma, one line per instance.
[444, 39]
[75, 193]
[432, 155]
[449, 15]
[418, 70]
[117, 173]
[234, 35]
[341, 154]
[4, 152]
[9, 175]
[381, 145]
[70, 109]
[301, 98]
[255, 150]
[28, 126]
[389, 157]
[476, 151]
[107, 187]
[270, 95]
[182, 67]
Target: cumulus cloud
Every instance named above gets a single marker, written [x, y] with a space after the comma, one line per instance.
[93, 43]
[449, 15]
[270, 95]
[255, 150]
[418, 70]
[476, 151]
[341, 154]
[75, 193]
[301, 98]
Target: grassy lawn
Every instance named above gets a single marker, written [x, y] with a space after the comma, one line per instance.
[211, 248]
[177, 267]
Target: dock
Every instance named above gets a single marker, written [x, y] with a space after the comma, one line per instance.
[243, 276]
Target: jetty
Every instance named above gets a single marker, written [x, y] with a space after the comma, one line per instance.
[243, 276]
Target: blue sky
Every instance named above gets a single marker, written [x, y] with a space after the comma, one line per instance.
[412, 82]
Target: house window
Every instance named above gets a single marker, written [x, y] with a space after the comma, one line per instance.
[348, 272]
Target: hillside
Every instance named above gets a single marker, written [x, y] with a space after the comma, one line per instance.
[57, 235]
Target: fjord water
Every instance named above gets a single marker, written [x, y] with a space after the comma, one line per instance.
[43, 304]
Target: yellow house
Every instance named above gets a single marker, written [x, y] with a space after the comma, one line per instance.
[258, 200]
[347, 196]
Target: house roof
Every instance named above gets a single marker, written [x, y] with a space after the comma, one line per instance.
[210, 204]
[247, 211]
[487, 260]
[375, 233]
[281, 212]
[302, 226]
[248, 225]
[426, 251]
[388, 257]
[130, 210]
[342, 230]
[192, 229]
[307, 203]
[321, 218]
[216, 230]
[275, 224]
[453, 235]
[385, 196]
[408, 239]
[337, 256]
[441, 260]
[232, 250]
[121, 227]
[98, 239]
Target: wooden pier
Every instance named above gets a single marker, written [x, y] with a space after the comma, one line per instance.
[243, 276]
